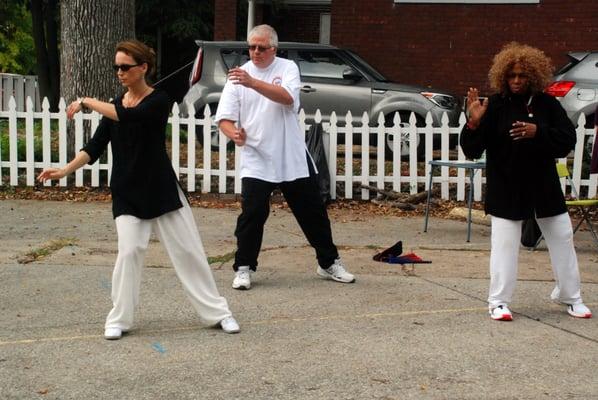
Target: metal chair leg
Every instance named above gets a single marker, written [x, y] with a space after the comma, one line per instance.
[428, 202]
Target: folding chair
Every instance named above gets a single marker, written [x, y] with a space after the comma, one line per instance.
[582, 204]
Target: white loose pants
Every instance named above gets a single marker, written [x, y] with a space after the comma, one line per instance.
[178, 233]
[506, 236]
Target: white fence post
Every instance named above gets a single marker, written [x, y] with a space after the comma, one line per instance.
[397, 145]
[29, 143]
[78, 144]
[380, 151]
[413, 141]
[349, 156]
[222, 160]
[62, 153]
[191, 123]
[332, 167]
[429, 149]
[365, 155]
[12, 142]
[175, 140]
[206, 182]
[46, 136]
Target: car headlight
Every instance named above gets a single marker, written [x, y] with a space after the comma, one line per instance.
[441, 100]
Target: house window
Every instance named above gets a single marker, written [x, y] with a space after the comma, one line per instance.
[471, 1]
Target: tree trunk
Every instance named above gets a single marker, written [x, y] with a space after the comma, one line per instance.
[45, 37]
[41, 53]
[90, 31]
[50, 14]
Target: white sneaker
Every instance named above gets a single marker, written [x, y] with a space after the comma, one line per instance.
[113, 333]
[230, 325]
[579, 310]
[242, 279]
[336, 272]
[501, 313]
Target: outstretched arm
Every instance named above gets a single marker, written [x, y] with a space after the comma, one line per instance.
[80, 160]
[275, 93]
[108, 110]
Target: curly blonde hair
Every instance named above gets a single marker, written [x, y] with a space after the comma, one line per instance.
[533, 62]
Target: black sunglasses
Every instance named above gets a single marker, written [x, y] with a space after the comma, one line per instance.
[253, 47]
[124, 67]
[513, 75]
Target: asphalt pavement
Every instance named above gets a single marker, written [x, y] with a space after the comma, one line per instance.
[419, 332]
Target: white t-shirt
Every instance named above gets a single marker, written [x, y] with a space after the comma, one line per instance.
[275, 149]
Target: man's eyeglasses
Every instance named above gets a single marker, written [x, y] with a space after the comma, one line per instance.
[253, 47]
[124, 67]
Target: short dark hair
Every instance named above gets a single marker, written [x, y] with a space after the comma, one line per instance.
[140, 52]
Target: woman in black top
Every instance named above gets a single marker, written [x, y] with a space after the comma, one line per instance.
[145, 193]
[522, 131]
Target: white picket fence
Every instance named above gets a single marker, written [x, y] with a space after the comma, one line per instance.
[365, 167]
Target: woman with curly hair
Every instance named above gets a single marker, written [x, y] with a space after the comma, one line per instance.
[522, 131]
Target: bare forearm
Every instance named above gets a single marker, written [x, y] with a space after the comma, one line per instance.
[234, 133]
[227, 127]
[273, 92]
[80, 160]
[106, 109]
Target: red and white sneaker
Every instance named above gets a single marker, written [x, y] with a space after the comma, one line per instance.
[579, 310]
[501, 313]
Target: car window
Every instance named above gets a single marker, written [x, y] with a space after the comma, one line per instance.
[586, 70]
[321, 64]
[565, 68]
[367, 68]
[234, 57]
[282, 53]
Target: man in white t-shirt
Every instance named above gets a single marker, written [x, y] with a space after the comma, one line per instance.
[262, 98]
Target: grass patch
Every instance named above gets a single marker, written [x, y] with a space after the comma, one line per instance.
[44, 251]
[222, 258]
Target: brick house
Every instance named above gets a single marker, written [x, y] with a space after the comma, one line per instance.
[446, 44]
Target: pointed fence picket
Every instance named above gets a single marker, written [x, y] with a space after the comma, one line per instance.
[205, 171]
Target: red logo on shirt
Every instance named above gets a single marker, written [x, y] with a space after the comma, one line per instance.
[277, 81]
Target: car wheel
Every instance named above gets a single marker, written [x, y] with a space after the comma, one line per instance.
[214, 132]
[405, 145]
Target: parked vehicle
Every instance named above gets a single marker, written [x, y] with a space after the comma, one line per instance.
[576, 86]
[332, 79]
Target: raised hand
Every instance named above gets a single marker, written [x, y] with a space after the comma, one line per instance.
[239, 76]
[73, 109]
[475, 108]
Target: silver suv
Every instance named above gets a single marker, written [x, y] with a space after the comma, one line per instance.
[576, 86]
[332, 79]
